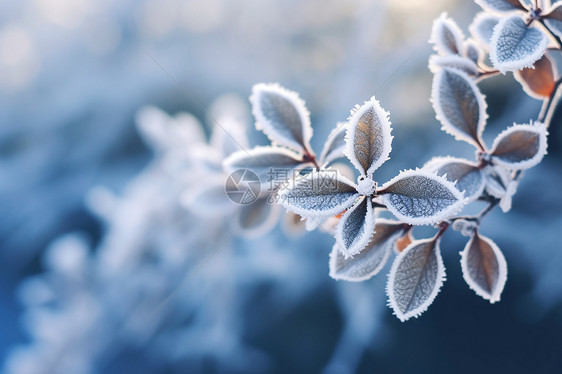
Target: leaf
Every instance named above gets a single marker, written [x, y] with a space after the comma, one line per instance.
[446, 36]
[539, 81]
[403, 242]
[371, 260]
[419, 197]
[472, 51]
[501, 185]
[335, 145]
[496, 179]
[162, 132]
[368, 138]
[273, 165]
[515, 46]
[520, 146]
[463, 64]
[553, 19]
[229, 136]
[415, 278]
[459, 105]
[282, 116]
[356, 227]
[466, 174]
[209, 199]
[319, 194]
[501, 6]
[482, 28]
[484, 267]
[257, 218]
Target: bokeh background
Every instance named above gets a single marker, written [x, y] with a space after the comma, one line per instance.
[104, 270]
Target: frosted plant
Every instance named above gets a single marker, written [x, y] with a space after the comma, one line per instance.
[364, 241]
[494, 175]
[516, 32]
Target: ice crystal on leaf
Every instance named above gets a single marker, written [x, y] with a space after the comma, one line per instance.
[415, 278]
[446, 36]
[419, 197]
[515, 45]
[466, 174]
[415, 196]
[482, 28]
[484, 267]
[520, 146]
[459, 105]
[372, 259]
[282, 116]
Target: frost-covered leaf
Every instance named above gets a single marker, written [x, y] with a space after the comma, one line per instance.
[496, 179]
[501, 6]
[282, 116]
[368, 138]
[272, 165]
[463, 64]
[335, 145]
[472, 51]
[501, 185]
[162, 132]
[419, 197]
[446, 36]
[540, 80]
[356, 227]
[229, 136]
[482, 28]
[484, 267]
[514, 45]
[520, 146]
[553, 19]
[459, 105]
[257, 218]
[209, 199]
[467, 175]
[415, 278]
[370, 260]
[319, 194]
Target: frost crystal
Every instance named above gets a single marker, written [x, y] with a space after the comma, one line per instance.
[415, 279]
[282, 116]
[368, 137]
[482, 28]
[514, 45]
[484, 267]
[446, 36]
[419, 197]
[335, 145]
[356, 227]
[466, 174]
[459, 105]
[319, 194]
[370, 260]
[520, 146]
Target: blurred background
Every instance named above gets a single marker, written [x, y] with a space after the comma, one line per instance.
[104, 270]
